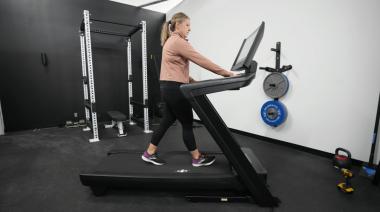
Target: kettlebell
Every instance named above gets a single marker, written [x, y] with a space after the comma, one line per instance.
[342, 161]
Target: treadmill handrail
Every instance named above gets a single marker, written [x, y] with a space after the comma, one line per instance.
[216, 85]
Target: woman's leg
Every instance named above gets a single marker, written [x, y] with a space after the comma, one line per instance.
[178, 107]
[151, 149]
[167, 120]
[195, 154]
[183, 111]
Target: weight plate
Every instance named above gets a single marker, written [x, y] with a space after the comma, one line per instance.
[276, 85]
[159, 110]
[273, 113]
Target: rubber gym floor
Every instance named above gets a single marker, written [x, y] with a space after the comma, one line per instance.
[40, 172]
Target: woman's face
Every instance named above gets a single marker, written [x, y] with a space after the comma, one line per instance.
[183, 28]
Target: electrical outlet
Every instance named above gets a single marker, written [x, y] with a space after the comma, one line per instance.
[75, 114]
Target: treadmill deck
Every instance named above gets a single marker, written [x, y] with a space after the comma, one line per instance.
[126, 169]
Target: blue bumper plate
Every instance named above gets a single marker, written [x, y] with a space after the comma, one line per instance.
[273, 113]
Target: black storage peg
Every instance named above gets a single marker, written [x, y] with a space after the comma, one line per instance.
[43, 59]
[277, 69]
[275, 50]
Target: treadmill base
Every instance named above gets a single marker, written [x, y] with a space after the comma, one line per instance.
[248, 199]
[98, 191]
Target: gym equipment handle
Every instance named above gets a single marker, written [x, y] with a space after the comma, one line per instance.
[343, 150]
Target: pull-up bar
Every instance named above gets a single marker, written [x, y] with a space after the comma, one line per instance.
[129, 34]
[112, 22]
[108, 32]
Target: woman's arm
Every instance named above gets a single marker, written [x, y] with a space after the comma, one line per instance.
[191, 80]
[184, 49]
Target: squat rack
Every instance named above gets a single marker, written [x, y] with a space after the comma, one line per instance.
[87, 67]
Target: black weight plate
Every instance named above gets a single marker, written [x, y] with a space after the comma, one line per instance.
[159, 110]
[276, 85]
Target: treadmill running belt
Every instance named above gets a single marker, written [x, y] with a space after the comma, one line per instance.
[177, 163]
[129, 170]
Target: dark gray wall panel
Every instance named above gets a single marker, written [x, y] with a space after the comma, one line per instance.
[33, 95]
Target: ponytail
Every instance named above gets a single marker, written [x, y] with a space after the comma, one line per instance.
[165, 33]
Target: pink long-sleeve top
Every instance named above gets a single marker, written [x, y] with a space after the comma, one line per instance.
[176, 54]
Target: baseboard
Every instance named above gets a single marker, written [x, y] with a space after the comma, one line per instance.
[294, 146]
[25, 128]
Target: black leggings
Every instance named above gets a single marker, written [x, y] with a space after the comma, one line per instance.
[176, 107]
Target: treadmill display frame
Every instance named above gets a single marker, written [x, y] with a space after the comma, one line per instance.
[245, 64]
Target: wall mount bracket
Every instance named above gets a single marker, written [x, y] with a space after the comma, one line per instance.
[278, 58]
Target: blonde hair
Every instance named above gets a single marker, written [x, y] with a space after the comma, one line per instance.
[178, 17]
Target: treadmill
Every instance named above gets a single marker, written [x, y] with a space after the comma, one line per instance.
[235, 167]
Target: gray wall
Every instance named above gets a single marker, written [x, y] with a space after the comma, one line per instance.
[333, 47]
[33, 95]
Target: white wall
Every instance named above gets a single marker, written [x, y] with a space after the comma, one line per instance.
[334, 49]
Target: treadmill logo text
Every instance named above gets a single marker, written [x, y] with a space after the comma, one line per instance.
[182, 171]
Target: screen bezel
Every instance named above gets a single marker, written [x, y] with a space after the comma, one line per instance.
[252, 51]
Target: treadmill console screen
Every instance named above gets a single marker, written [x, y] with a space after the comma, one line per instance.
[247, 46]
[248, 49]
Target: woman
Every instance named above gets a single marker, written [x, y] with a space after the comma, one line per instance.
[176, 54]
